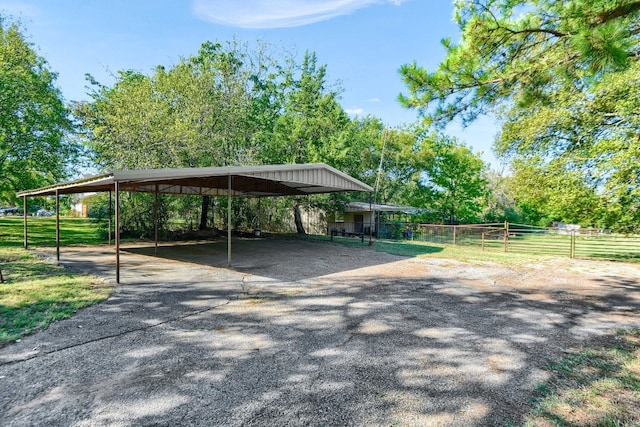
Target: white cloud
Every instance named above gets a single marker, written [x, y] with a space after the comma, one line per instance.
[354, 111]
[374, 100]
[277, 13]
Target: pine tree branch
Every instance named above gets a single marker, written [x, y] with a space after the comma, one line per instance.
[618, 12]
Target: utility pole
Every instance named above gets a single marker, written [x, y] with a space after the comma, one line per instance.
[375, 198]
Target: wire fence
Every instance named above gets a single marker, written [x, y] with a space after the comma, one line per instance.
[572, 242]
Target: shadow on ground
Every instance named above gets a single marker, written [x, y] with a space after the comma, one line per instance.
[280, 259]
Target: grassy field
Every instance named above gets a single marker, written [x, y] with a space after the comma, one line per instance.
[550, 242]
[435, 250]
[37, 293]
[42, 231]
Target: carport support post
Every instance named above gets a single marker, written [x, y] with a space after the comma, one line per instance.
[24, 214]
[110, 215]
[155, 222]
[117, 190]
[229, 224]
[371, 218]
[57, 225]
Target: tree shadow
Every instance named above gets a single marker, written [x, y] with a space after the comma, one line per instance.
[279, 259]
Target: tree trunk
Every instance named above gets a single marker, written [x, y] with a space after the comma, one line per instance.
[204, 213]
[298, 218]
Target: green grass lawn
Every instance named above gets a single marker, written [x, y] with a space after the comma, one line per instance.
[435, 250]
[598, 386]
[37, 293]
[42, 231]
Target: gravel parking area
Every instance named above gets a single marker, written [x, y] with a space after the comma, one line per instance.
[309, 333]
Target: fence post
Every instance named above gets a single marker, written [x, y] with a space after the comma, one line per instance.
[454, 235]
[572, 245]
[506, 236]
[483, 241]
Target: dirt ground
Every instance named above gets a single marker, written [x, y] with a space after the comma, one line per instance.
[309, 333]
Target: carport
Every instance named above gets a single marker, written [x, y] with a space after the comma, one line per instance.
[233, 181]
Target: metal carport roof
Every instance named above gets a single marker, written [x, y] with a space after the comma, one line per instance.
[247, 181]
[232, 181]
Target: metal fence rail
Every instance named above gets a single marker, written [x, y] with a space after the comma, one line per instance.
[517, 238]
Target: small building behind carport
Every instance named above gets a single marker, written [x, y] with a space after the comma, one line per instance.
[358, 218]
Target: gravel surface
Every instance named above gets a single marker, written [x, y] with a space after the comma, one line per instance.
[309, 333]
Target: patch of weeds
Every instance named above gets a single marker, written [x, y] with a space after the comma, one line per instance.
[598, 386]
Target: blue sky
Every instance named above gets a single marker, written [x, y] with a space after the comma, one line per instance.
[362, 42]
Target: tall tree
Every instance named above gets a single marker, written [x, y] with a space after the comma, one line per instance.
[195, 114]
[311, 125]
[544, 193]
[562, 75]
[453, 183]
[35, 146]
[519, 52]
[198, 113]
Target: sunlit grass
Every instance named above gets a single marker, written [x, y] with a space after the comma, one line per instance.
[37, 293]
[598, 386]
[435, 250]
[42, 231]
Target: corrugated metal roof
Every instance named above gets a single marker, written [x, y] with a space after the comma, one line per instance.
[247, 181]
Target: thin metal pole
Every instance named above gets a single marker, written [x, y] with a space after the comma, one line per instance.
[110, 216]
[308, 214]
[371, 218]
[57, 225]
[24, 210]
[229, 224]
[260, 214]
[117, 190]
[155, 222]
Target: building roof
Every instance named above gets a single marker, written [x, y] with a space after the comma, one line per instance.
[246, 181]
[376, 207]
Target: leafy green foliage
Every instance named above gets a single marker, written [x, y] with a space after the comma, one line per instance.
[564, 78]
[545, 193]
[455, 183]
[35, 147]
[198, 113]
[521, 51]
[229, 105]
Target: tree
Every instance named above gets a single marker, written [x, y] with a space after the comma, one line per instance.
[195, 114]
[453, 184]
[545, 193]
[592, 135]
[198, 113]
[35, 145]
[518, 52]
[311, 125]
[500, 204]
[562, 76]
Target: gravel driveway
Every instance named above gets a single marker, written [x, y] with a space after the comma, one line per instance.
[309, 333]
